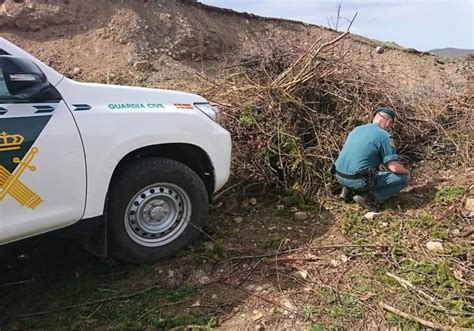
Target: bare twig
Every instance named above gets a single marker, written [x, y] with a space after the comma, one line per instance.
[190, 327]
[352, 22]
[18, 283]
[221, 193]
[95, 311]
[250, 272]
[88, 303]
[406, 284]
[294, 260]
[160, 307]
[412, 317]
[272, 302]
[290, 251]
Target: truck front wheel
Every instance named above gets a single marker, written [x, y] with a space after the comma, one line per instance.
[156, 207]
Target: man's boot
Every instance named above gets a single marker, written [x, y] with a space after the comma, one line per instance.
[345, 194]
[367, 201]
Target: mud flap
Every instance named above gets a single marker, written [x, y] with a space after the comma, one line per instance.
[91, 233]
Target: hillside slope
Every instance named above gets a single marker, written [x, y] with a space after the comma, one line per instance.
[451, 52]
[106, 39]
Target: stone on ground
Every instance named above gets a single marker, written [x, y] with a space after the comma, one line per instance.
[469, 205]
[301, 216]
[372, 215]
[435, 246]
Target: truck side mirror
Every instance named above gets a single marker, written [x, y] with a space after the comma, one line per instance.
[23, 78]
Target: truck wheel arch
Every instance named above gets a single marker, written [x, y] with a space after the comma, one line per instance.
[190, 155]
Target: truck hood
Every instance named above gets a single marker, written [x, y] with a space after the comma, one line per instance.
[117, 94]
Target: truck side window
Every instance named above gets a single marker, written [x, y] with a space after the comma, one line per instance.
[4, 94]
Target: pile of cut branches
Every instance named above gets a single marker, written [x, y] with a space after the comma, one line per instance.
[289, 114]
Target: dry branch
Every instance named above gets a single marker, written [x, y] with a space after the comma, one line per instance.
[310, 248]
[406, 284]
[290, 113]
[412, 317]
[18, 282]
[88, 303]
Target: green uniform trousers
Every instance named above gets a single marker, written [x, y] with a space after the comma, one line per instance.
[386, 184]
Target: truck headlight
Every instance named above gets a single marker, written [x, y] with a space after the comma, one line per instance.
[209, 111]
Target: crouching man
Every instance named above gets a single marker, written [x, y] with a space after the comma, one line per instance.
[368, 163]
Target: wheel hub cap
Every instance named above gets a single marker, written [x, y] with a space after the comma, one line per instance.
[157, 214]
[156, 211]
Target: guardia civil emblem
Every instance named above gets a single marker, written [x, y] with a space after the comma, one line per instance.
[17, 154]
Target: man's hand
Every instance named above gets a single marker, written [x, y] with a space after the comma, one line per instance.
[398, 168]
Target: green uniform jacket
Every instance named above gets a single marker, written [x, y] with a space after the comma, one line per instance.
[367, 146]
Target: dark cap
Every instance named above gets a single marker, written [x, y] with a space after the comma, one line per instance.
[387, 110]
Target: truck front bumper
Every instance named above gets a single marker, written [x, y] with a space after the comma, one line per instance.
[221, 154]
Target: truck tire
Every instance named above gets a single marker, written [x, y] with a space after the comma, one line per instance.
[156, 207]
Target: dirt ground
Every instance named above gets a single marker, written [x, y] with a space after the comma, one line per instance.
[257, 267]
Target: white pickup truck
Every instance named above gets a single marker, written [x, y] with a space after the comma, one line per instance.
[138, 165]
